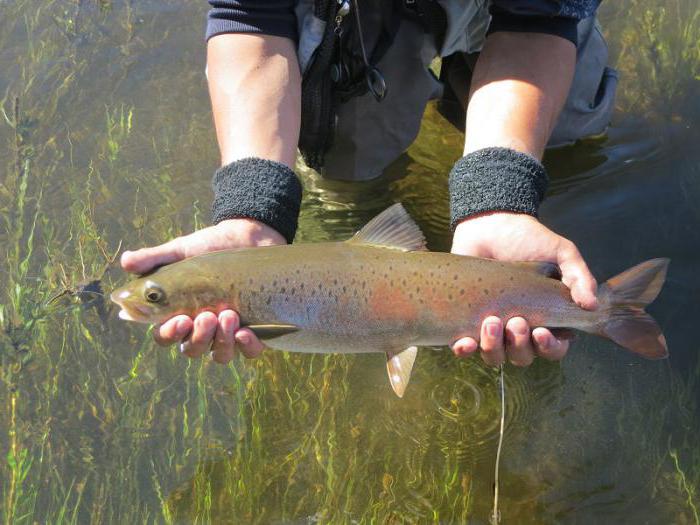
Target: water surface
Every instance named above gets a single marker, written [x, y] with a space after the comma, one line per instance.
[108, 142]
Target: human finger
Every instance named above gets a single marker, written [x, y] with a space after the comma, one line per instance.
[222, 348]
[173, 330]
[203, 332]
[518, 343]
[465, 347]
[576, 275]
[145, 259]
[548, 346]
[491, 341]
[248, 343]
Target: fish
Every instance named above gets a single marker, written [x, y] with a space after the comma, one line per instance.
[383, 291]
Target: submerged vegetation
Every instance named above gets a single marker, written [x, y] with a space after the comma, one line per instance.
[656, 47]
[105, 124]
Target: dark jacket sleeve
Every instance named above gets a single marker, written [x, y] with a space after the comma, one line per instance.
[541, 16]
[268, 17]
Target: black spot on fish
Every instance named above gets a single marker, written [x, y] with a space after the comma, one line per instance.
[282, 290]
[335, 282]
[479, 279]
[268, 300]
[455, 277]
[293, 291]
[320, 286]
[486, 291]
[301, 286]
[345, 289]
[461, 292]
[274, 283]
[449, 297]
[502, 290]
[512, 278]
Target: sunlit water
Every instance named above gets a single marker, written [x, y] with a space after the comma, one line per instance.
[107, 138]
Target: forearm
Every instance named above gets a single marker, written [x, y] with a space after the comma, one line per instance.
[255, 86]
[519, 86]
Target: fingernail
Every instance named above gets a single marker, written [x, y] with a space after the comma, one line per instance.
[184, 346]
[244, 338]
[181, 326]
[492, 329]
[520, 329]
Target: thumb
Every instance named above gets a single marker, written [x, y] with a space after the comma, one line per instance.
[145, 259]
[576, 275]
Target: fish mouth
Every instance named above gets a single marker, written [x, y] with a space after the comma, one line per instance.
[130, 311]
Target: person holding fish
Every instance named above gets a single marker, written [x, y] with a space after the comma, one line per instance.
[337, 78]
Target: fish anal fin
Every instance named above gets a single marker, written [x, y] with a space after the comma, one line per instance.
[548, 269]
[270, 331]
[393, 228]
[399, 367]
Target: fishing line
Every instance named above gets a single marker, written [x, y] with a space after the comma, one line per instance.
[496, 515]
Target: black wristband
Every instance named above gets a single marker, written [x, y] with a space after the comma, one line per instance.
[496, 179]
[258, 189]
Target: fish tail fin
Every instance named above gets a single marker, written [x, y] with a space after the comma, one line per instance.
[625, 320]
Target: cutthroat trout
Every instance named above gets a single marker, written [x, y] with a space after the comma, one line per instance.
[381, 291]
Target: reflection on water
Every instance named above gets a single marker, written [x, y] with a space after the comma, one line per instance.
[108, 138]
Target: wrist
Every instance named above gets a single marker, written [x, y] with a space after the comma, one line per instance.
[252, 188]
[495, 180]
[249, 232]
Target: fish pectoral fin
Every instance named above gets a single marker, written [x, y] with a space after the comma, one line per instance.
[399, 367]
[270, 331]
[547, 269]
[393, 228]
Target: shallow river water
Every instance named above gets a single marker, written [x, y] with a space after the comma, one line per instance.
[107, 143]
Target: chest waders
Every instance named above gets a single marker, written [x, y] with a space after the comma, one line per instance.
[366, 78]
[342, 66]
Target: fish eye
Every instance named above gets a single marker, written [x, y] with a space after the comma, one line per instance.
[153, 293]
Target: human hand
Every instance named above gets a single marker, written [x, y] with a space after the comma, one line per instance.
[222, 332]
[518, 237]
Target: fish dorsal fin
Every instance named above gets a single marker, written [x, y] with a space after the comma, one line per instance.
[399, 367]
[393, 228]
[547, 269]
